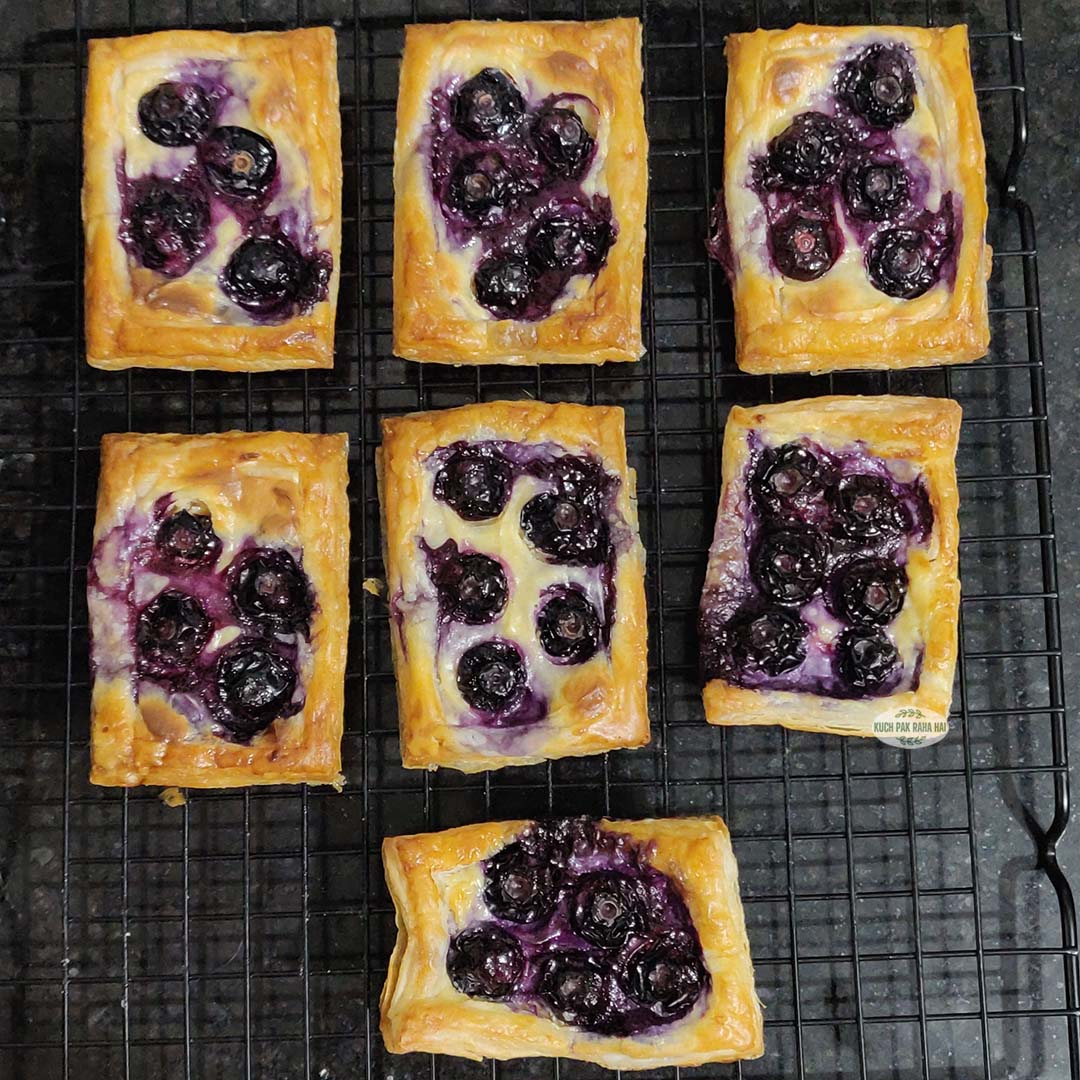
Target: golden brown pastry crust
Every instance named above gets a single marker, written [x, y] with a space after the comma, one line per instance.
[841, 320]
[276, 487]
[923, 431]
[137, 318]
[436, 317]
[421, 1010]
[596, 706]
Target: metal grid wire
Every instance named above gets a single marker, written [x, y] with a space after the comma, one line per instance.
[907, 913]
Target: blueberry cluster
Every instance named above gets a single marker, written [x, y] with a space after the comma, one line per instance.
[252, 681]
[508, 176]
[566, 524]
[853, 155]
[583, 927]
[168, 221]
[823, 533]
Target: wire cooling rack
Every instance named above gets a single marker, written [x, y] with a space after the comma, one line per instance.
[907, 913]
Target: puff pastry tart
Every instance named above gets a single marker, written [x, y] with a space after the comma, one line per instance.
[615, 942]
[520, 174]
[218, 596]
[515, 579]
[212, 200]
[853, 215]
[832, 592]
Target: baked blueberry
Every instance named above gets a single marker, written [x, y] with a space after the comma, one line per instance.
[562, 140]
[567, 529]
[522, 883]
[482, 188]
[878, 85]
[571, 239]
[577, 475]
[255, 684]
[169, 224]
[187, 538]
[475, 481]
[488, 105]
[808, 152]
[576, 988]
[790, 483]
[666, 974]
[265, 275]
[504, 285]
[803, 247]
[607, 908]
[171, 631]
[569, 627]
[875, 190]
[869, 591]
[788, 565]
[867, 659]
[485, 962]
[770, 640]
[175, 114]
[268, 587]
[899, 263]
[491, 676]
[472, 588]
[239, 163]
[865, 508]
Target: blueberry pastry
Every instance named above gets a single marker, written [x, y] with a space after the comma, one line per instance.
[853, 215]
[831, 592]
[515, 579]
[615, 942]
[219, 611]
[520, 173]
[212, 200]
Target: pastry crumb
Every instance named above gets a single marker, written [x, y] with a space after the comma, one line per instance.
[375, 586]
[173, 796]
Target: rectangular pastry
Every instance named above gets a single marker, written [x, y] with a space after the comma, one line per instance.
[615, 942]
[520, 176]
[853, 215]
[219, 609]
[212, 200]
[831, 593]
[515, 578]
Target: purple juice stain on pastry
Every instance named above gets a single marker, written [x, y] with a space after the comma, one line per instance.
[579, 927]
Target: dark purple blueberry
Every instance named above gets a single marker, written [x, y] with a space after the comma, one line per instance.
[483, 188]
[169, 227]
[577, 475]
[803, 247]
[789, 565]
[870, 591]
[876, 191]
[522, 883]
[171, 632]
[485, 962]
[878, 85]
[770, 640]
[865, 508]
[472, 588]
[491, 676]
[867, 659]
[576, 988]
[566, 529]
[790, 482]
[900, 264]
[239, 163]
[562, 140]
[255, 684]
[475, 482]
[264, 275]
[808, 152]
[504, 285]
[269, 587]
[488, 105]
[607, 908]
[569, 628]
[175, 114]
[666, 974]
[188, 539]
[573, 241]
